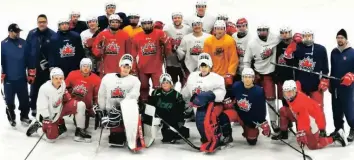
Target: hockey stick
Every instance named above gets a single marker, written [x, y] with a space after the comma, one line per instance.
[7, 107]
[297, 150]
[99, 141]
[273, 109]
[34, 146]
[185, 139]
[304, 70]
[303, 152]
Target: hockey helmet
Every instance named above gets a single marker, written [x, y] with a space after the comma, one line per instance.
[110, 5]
[56, 72]
[248, 72]
[175, 14]
[86, 61]
[206, 59]
[133, 14]
[196, 21]
[126, 59]
[222, 16]
[92, 18]
[165, 77]
[114, 17]
[200, 3]
[242, 21]
[285, 29]
[220, 24]
[64, 20]
[75, 13]
[289, 85]
[146, 20]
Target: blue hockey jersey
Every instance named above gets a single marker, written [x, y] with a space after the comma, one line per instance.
[250, 103]
[66, 51]
[312, 58]
[341, 63]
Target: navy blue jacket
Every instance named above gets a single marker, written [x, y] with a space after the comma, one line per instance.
[250, 103]
[14, 60]
[103, 21]
[341, 64]
[312, 58]
[66, 51]
[37, 46]
[283, 73]
[80, 27]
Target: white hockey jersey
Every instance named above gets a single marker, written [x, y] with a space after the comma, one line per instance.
[85, 35]
[114, 89]
[208, 22]
[176, 34]
[263, 53]
[242, 44]
[197, 84]
[190, 47]
[50, 100]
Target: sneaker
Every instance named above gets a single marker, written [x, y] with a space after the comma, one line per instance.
[25, 121]
[33, 128]
[82, 136]
[351, 135]
[339, 136]
[282, 135]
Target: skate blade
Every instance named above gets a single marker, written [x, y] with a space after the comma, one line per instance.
[80, 139]
[113, 145]
[342, 134]
[24, 124]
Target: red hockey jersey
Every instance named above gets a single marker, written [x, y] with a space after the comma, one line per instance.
[83, 88]
[148, 50]
[111, 47]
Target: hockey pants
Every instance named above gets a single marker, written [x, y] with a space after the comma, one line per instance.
[145, 86]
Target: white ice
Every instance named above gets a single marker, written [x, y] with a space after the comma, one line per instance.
[324, 17]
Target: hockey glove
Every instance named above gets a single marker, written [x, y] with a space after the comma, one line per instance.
[228, 103]
[347, 79]
[89, 42]
[228, 79]
[159, 25]
[323, 133]
[66, 96]
[298, 86]
[98, 116]
[51, 129]
[3, 77]
[301, 137]
[324, 83]
[203, 99]
[31, 76]
[266, 129]
[289, 51]
[297, 38]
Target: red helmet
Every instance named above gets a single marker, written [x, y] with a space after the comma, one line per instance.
[159, 25]
[241, 21]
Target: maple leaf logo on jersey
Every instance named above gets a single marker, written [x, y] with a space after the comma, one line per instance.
[307, 64]
[240, 51]
[80, 91]
[197, 90]
[67, 51]
[149, 49]
[177, 41]
[281, 60]
[58, 103]
[196, 50]
[117, 93]
[266, 53]
[112, 48]
[244, 105]
[219, 51]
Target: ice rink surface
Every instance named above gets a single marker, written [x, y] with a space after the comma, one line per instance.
[324, 17]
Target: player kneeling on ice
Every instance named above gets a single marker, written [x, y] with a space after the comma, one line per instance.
[310, 120]
[206, 91]
[54, 102]
[117, 101]
[170, 107]
[250, 106]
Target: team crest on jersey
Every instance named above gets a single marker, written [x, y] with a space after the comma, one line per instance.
[177, 41]
[67, 51]
[148, 49]
[196, 50]
[281, 59]
[117, 93]
[112, 48]
[197, 90]
[244, 105]
[58, 103]
[80, 90]
[307, 64]
[219, 51]
[240, 51]
[266, 53]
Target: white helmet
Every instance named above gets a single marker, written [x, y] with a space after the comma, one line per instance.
[126, 59]
[205, 58]
[146, 19]
[201, 3]
[307, 31]
[308, 42]
[110, 4]
[197, 20]
[132, 14]
[56, 72]
[92, 18]
[289, 85]
[114, 17]
[64, 20]
[285, 29]
[248, 72]
[165, 77]
[263, 26]
[77, 13]
[86, 61]
[174, 14]
[220, 24]
[222, 16]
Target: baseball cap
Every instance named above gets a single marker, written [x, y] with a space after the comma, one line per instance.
[14, 28]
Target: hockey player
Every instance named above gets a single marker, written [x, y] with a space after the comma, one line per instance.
[88, 37]
[14, 63]
[206, 91]
[306, 112]
[207, 19]
[75, 24]
[192, 45]
[133, 28]
[66, 49]
[147, 50]
[114, 89]
[110, 45]
[159, 25]
[230, 27]
[312, 57]
[342, 60]
[250, 105]
[37, 46]
[54, 102]
[169, 106]
[83, 86]
[103, 21]
[242, 37]
[262, 51]
[176, 31]
[222, 49]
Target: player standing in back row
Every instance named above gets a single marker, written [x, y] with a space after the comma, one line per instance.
[207, 19]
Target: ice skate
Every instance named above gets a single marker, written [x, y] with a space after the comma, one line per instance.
[351, 135]
[25, 121]
[340, 137]
[33, 128]
[82, 136]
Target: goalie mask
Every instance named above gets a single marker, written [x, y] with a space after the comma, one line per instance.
[165, 77]
[126, 60]
[204, 58]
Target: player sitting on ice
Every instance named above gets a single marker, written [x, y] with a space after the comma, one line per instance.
[117, 96]
[54, 102]
[250, 105]
[206, 91]
[310, 120]
[169, 105]
[83, 86]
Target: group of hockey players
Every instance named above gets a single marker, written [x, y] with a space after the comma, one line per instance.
[101, 69]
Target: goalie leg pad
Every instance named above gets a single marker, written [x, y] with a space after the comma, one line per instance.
[211, 126]
[199, 120]
[117, 138]
[225, 124]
